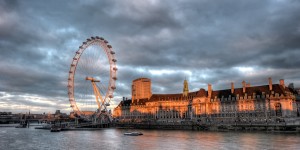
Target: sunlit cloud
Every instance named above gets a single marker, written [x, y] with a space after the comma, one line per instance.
[161, 72]
[245, 69]
[169, 72]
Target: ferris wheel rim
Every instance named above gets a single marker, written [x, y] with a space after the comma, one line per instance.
[112, 70]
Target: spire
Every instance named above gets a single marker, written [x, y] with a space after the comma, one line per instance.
[185, 88]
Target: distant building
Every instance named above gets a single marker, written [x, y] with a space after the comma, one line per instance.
[57, 112]
[9, 117]
[57, 115]
[5, 113]
[266, 103]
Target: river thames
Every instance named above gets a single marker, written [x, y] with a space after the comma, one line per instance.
[31, 139]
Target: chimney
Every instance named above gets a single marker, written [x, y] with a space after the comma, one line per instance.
[232, 87]
[248, 85]
[209, 90]
[244, 86]
[270, 84]
[281, 82]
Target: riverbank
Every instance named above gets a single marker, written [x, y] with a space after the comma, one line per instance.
[190, 126]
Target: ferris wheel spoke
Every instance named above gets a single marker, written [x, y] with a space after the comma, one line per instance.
[102, 91]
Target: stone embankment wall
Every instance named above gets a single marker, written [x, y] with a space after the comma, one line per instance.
[292, 126]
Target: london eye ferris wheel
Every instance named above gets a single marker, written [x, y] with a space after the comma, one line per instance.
[92, 77]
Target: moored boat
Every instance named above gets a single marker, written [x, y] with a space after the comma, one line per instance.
[23, 124]
[55, 129]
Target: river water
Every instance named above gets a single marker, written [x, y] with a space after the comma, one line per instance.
[31, 139]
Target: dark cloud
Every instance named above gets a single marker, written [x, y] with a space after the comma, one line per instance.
[167, 41]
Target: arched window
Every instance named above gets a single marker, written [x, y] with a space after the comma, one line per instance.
[278, 109]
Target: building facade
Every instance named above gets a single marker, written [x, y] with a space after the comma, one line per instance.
[249, 104]
[141, 89]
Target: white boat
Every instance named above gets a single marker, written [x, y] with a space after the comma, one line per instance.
[133, 133]
[46, 126]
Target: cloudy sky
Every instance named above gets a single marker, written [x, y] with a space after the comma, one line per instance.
[204, 41]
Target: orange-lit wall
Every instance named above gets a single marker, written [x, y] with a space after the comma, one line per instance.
[178, 109]
[141, 89]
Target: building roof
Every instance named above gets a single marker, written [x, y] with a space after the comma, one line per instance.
[258, 90]
[141, 79]
[140, 101]
[178, 96]
[125, 102]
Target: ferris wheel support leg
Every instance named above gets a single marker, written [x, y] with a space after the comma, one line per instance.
[98, 96]
[96, 92]
[102, 100]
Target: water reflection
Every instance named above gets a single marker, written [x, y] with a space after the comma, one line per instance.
[12, 138]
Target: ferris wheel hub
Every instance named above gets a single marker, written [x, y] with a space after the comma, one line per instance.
[92, 79]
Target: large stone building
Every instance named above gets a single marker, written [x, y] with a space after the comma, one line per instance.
[259, 104]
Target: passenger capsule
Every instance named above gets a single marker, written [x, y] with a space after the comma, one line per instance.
[115, 68]
[84, 43]
[101, 38]
[105, 41]
[80, 47]
[97, 37]
[115, 78]
[70, 71]
[113, 87]
[109, 46]
[74, 58]
[77, 52]
[114, 60]
[88, 39]
[112, 52]
[92, 38]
